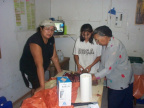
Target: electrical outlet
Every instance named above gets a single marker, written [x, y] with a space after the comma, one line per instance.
[118, 19]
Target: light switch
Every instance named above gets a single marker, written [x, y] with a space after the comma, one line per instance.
[118, 19]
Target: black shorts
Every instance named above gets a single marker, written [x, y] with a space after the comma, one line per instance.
[31, 82]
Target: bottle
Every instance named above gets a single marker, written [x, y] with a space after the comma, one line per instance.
[65, 29]
[2, 100]
[8, 104]
[58, 53]
[4, 103]
[61, 55]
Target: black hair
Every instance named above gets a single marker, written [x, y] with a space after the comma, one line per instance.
[86, 28]
[38, 28]
[103, 31]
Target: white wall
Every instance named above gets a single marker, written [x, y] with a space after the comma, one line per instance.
[12, 43]
[77, 12]
[130, 34]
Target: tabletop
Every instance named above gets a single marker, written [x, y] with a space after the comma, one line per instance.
[97, 90]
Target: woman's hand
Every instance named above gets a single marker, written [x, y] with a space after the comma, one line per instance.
[93, 77]
[94, 80]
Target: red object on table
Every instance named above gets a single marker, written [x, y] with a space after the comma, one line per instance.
[48, 98]
[74, 77]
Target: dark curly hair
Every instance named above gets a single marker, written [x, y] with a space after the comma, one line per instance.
[86, 28]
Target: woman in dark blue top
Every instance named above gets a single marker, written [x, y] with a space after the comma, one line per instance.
[38, 51]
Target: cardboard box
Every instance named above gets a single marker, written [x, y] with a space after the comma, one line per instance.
[64, 87]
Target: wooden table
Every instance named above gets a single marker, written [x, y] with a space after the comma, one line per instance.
[97, 91]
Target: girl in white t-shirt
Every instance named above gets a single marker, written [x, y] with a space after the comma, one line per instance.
[86, 52]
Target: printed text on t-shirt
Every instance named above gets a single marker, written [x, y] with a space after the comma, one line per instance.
[85, 51]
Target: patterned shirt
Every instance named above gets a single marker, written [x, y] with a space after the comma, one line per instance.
[115, 65]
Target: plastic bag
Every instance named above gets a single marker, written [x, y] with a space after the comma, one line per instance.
[138, 87]
[75, 86]
[48, 98]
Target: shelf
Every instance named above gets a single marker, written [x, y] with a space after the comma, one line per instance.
[64, 36]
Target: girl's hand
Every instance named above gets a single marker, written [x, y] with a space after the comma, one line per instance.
[88, 69]
[79, 69]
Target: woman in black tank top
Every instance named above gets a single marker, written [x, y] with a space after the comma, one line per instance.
[38, 51]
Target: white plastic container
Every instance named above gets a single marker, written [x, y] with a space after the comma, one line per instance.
[85, 87]
[60, 55]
